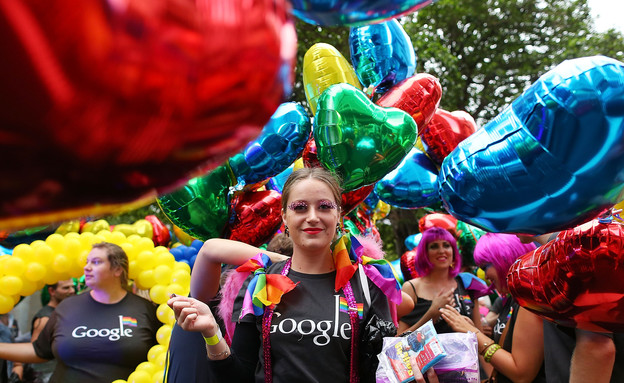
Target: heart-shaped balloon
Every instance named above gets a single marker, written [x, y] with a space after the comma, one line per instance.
[445, 221]
[382, 55]
[324, 66]
[444, 132]
[201, 208]
[418, 95]
[412, 185]
[354, 12]
[160, 234]
[278, 146]
[310, 156]
[359, 140]
[577, 279]
[256, 216]
[412, 241]
[408, 265]
[104, 102]
[550, 161]
[351, 199]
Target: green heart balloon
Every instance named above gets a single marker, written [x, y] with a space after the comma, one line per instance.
[357, 139]
[201, 207]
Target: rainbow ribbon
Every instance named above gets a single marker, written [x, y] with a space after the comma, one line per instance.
[349, 254]
[263, 289]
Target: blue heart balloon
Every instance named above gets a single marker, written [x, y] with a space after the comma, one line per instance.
[354, 12]
[382, 55]
[277, 182]
[411, 185]
[281, 142]
[552, 160]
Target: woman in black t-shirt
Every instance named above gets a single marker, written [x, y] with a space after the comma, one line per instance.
[310, 333]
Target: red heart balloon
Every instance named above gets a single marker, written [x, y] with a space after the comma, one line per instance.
[577, 279]
[444, 221]
[408, 265]
[444, 132]
[161, 236]
[257, 215]
[418, 95]
[104, 101]
[351, 199]
[309, 155]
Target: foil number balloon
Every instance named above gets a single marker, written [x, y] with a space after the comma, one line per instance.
[550, 161]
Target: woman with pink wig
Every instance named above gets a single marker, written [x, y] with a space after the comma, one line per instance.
[516, 354]
[438, 263]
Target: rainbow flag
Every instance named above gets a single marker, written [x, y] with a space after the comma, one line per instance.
[344, 307]
[129, 321]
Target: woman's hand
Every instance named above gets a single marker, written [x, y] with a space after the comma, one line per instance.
[193, 315]
[431, 376]
[457, 321]
[444, 298]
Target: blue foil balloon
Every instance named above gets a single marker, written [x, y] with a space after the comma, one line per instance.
[412, 241]
[552, 160]
[281, 142]
[277, 182]
[353, 12]
[382, 55]
[411, 185]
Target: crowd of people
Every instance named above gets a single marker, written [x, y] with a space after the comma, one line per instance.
[298, 310]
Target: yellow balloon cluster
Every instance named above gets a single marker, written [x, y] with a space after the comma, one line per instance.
[61, 257]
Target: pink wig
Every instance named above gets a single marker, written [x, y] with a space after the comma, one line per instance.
[422, 263]
[501, 251]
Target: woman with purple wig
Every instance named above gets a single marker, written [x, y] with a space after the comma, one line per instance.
[516, 353]
[438, 264]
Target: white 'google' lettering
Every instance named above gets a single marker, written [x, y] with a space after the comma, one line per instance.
[323, 328]
[113, 334]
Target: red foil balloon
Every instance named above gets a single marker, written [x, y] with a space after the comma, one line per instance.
[577, 279]
[408, 265]
[444, 221]
[444, 132]
[351, 199]
[418, 95]
[161, 236]
[257, 215]
[104, 102]
[309, 155]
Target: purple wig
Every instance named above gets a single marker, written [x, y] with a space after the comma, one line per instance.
[421, 261]
[501, 251]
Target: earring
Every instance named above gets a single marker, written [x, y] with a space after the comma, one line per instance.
[286, 231]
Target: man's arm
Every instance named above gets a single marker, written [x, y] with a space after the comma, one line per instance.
[38, 325]
[593, 357]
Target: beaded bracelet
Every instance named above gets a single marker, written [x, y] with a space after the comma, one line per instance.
[489, 353]
[225, 352]
[215, 339]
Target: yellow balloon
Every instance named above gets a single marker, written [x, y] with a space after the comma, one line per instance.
[68, 227]
[6, 303]
[13, 265]
[164, 258]
[162, 358]
[146, 260]
[24, 251]
[181, 277]
[56, 242]
[162, 313]
[158, 294]
[73, 247]
[10, 285]
[163, 334]
[162, 274]
[298, 164]
[182, 266]
[158, 376]
[35, 271]
[120, 381]
[44, 254]
[148, 367]
[61, 263]
[95, 226]
[324, 66]
[117, 237]
[176, 289]
[146, 279]
[87, 239]
[140, 377]
[130, 250]
[29, 288]
[155, 352]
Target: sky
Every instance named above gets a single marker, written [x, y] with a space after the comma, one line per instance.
[608, 14]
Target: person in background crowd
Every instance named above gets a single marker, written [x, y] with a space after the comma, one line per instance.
[516, 352]
[100, 335]
[439, 263]
[57, 293]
